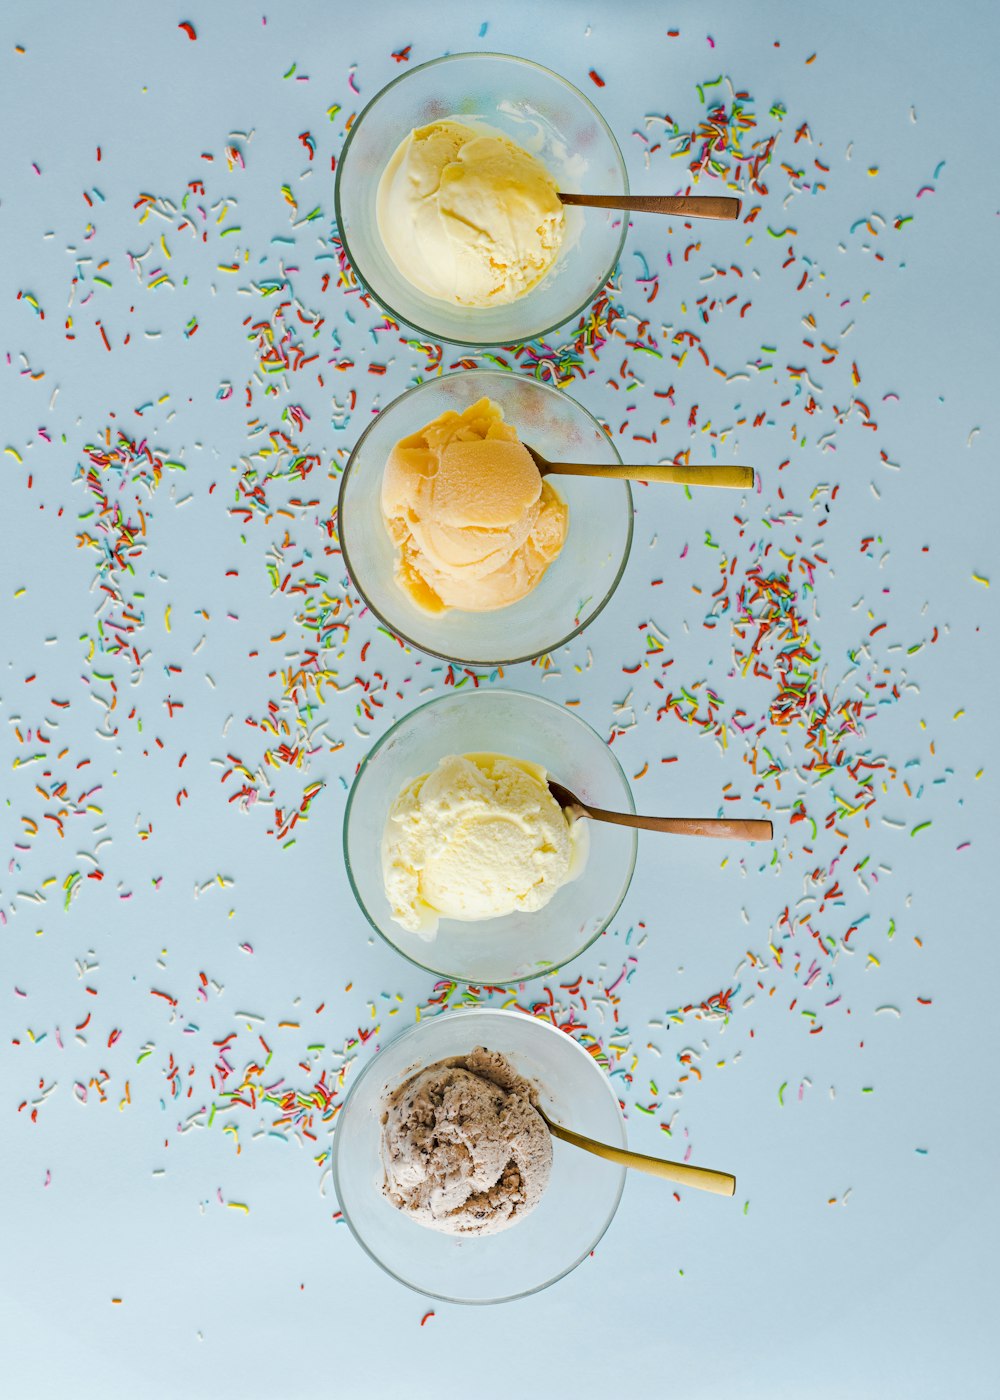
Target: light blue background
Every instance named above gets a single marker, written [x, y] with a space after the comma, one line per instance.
[889, 1293]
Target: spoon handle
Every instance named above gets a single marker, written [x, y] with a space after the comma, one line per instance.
[740, 478]
[724, 828]
[701, 1178]
[688, 206]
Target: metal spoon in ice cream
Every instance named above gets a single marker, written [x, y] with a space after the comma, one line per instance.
[713, 474]
[701, 1178]
[683, 206]
[724, 828]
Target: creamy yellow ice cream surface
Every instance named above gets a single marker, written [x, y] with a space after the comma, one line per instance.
[474, 523]
[467, 215]
[479, 837]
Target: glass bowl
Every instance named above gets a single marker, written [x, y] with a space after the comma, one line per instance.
[576, 1208]
[540, 111]
[518, 946]
[574, 588]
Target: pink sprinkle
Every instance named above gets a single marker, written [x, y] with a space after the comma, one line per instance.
[48, 1177]
[711, 41]
[684, 552]
[926, 189]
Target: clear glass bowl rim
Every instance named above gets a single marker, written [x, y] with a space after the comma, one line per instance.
[478, 1011]
[451, 58]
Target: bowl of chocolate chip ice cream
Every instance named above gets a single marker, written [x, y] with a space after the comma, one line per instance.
[446, 1172]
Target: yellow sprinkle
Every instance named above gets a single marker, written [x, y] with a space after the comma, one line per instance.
[238, 1205]
[14, 453]
[20, 593]
[958, 714]
[976, 578]
[166, 617]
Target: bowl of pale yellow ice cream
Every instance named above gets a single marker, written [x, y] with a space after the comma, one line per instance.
[446, 1172]
[454, 539]
[459, 855]
[447, 199]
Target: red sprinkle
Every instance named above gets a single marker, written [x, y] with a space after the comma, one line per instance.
[188, 28]
[596, 78]
[426, 1316]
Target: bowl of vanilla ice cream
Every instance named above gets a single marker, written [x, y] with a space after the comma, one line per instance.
[447, 200]
[447, 1174]
[454, 539]
[459, 855]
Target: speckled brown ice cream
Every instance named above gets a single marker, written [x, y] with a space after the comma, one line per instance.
[463, 1148]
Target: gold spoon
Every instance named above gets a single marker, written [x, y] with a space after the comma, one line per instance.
[684, 206]
[701, 1178]
[740, 478]
[725, 828]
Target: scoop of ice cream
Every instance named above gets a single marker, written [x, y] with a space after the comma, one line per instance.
[467, 215]
[475, 525]
[463, 1148]
[479, 837]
